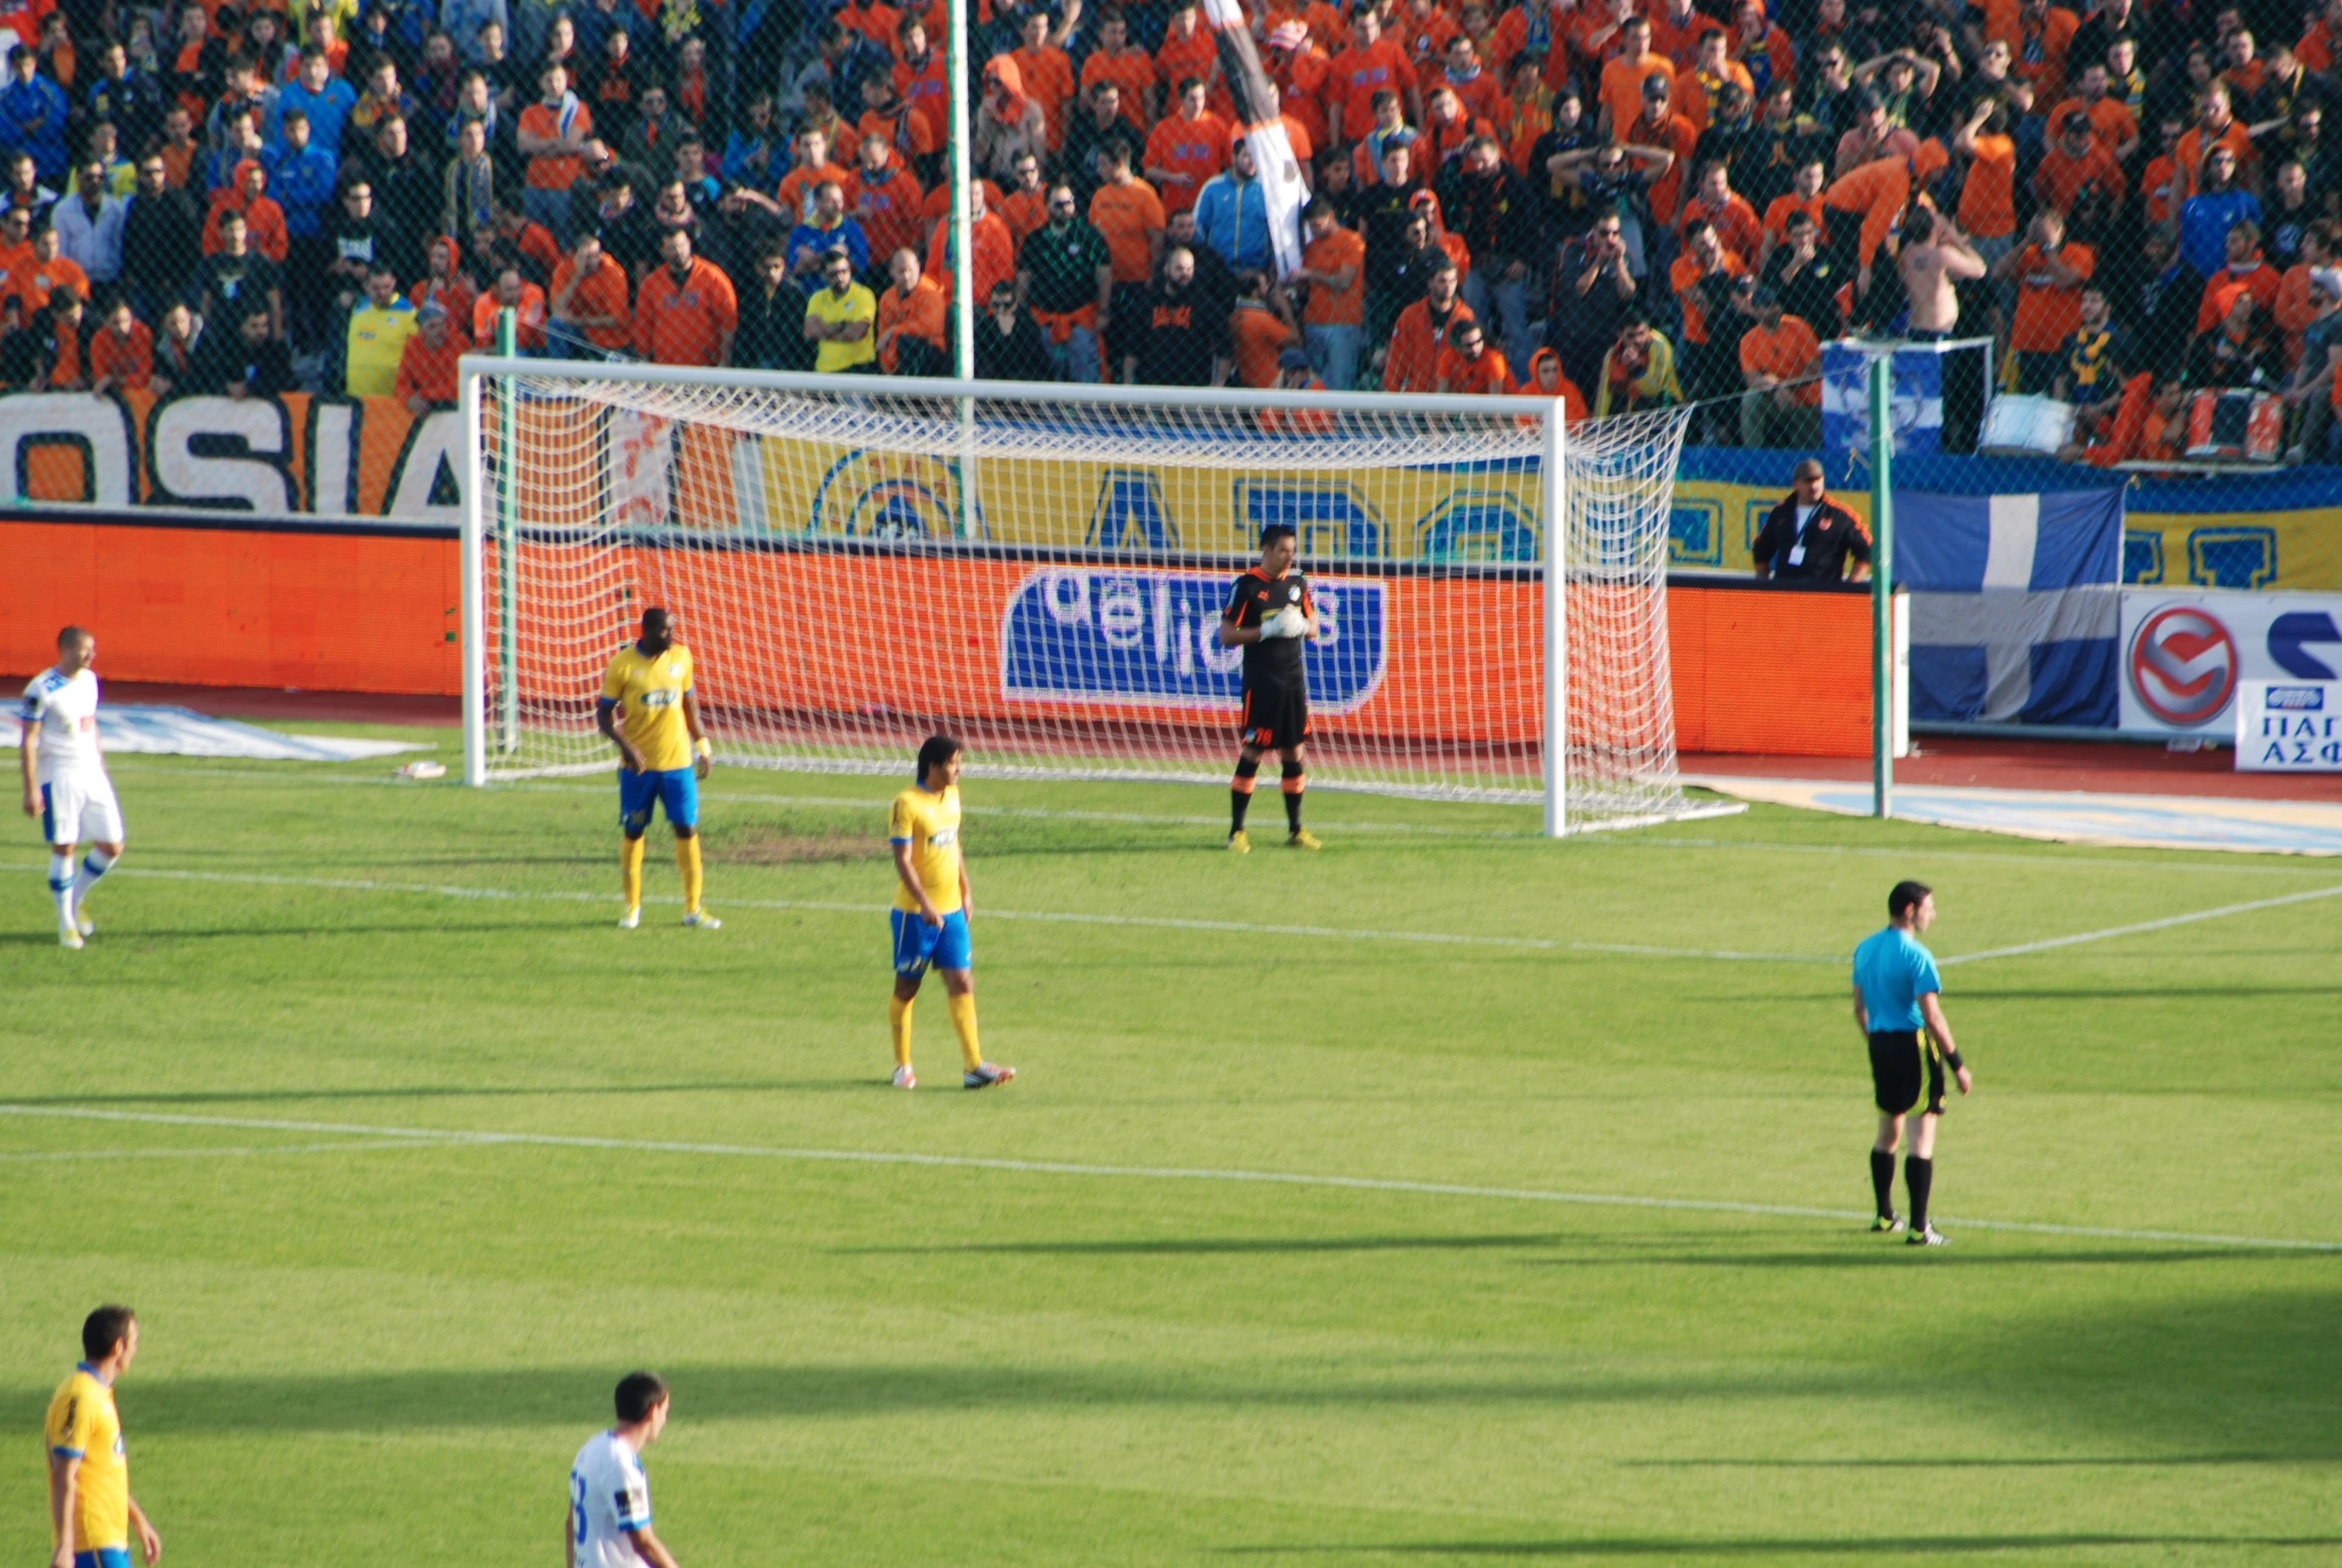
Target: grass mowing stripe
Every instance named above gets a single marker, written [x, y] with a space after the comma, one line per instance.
[1146, 922]
[2165, 924]
[458, 1137]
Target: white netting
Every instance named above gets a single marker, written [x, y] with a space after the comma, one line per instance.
[1043, 577]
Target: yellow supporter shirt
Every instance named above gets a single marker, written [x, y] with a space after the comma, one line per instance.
[648, 694]
[856, 305]
[83, 1425]
[930, 824]
[376, 339]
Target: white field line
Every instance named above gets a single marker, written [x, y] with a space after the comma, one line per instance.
[1636, 840]
[1234, 927]
[2165, 924]
[345, 1146]
[1144, 922]
[455, 1138]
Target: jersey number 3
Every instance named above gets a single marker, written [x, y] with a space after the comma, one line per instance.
[578, 1504]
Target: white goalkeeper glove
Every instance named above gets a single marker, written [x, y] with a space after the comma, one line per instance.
[1291, 622]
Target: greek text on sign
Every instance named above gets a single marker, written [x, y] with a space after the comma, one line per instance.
[2289, 728]
[1097, 634]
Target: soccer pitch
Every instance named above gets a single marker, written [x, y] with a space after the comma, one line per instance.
[404, 1153]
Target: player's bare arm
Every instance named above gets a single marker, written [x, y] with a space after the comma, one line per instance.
[150, 1542]
[64, 1473]
[910, 879]
[605, 720]
[650, 1548]
[967, 894]
[29, 760]
[700, 761]
[568, 1539]
[1931, 1009]
[1862, 1015]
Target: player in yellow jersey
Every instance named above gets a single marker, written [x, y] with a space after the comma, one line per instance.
[91, 1511]
[930, 912]
[647, 709]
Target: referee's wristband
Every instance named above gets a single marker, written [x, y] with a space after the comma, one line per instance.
[1952, 1061]
[700, 748]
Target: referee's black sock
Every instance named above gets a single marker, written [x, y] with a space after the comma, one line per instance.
[1883, 1180]
[1239, 793]
[1918, 1175]
[1295, 782]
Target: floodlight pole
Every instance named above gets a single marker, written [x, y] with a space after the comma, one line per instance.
[1550, 486]
[963, 260]
[1882, 389]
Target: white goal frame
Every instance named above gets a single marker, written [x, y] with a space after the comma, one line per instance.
[477, 370]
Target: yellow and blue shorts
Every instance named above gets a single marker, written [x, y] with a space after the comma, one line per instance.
[918, 945]
[673, 790]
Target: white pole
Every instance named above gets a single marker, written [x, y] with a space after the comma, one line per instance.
[474, 588]
[1556, 626]
[962, 263]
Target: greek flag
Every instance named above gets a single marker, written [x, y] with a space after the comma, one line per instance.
[2015, 606]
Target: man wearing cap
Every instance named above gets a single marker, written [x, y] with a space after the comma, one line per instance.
[2075, 163]
[427, 365]
[1808, 537]
[1780, 363]
[1625, 75]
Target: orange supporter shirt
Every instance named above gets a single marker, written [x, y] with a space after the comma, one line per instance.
[128, 361]
[2111, 122]
[2046, 313]
[1195, 148]
[795, 192]
[1256, 337]
[1684, 278]
[1488, 376]
[555, 174]
[2189, 156]
[1049, 79]
[1413, 363]
[919, 315]
[2060, 179]
[1125, 213]
[1133, 73]
[1181, 58]
[1357, 75]
[1778, 209]
[1786, 354]
[604, 293]
[685, 323]
[1877, 190]
[1987, 197]
[428, 372]
[992, 258]
[1700, 95]
[1024, 211]
[1622, 88]
[1677, 137]
[1736, 225]
[914, 130]
[67, 369]
[529, 318]
[1573, 402]
[33, 282]
[1342, 250]
[894, 215]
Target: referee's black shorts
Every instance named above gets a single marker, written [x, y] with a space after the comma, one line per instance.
[1899, 1060]
[1274, 717]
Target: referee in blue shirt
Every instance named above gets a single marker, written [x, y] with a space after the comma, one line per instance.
[1899, 1007]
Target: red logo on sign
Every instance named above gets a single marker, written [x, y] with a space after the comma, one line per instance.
[2183, 667]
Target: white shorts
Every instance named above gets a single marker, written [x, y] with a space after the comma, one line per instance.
[81, 809]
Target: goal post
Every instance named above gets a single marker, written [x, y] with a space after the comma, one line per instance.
[1040, 569]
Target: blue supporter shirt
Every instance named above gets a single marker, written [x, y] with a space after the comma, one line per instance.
[1893, 971]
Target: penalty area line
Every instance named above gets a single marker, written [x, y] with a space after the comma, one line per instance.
[458, 1137]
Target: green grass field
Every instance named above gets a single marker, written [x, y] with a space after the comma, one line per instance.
[904, 1329]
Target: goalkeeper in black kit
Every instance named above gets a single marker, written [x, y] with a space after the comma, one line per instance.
[1269, 616]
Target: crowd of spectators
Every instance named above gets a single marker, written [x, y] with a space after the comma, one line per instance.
[1621, 203]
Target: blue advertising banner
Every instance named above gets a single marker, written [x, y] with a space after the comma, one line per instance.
[1100, 634]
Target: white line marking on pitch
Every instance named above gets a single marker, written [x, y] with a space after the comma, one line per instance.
[346, 1145]
[2164, 924]
[457, 1138]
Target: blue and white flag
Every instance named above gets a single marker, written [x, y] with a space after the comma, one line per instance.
[2015, 606]
[1917, 413]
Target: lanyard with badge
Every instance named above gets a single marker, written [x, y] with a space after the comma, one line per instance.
[1797, 551]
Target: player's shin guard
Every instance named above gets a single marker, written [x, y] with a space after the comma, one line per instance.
[1294, 782]
[630, 871]
[899, 1023]
[94, 865]
[1883, 1180]
[60, 884]
[1239, 791]
[687, 862]
[1919, 1176]
[964, 1020]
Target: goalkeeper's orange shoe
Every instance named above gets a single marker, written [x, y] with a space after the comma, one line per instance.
[1239, 843]
[1302, 838]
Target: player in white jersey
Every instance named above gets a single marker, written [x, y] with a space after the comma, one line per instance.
[609, 1498]
[65, 783]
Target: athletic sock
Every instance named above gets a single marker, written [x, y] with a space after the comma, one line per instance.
[964, 1020]
[1239, 792]
[687, 862]
[1294, 782]
[1883, 1180]
[61, 885]
[899, 1020]
[94, 865]
[1919, 1176]
[630, 871]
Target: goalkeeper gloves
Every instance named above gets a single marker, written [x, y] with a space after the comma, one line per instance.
[1291, 622]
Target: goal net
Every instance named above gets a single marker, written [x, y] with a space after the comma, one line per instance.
[1041, 570]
